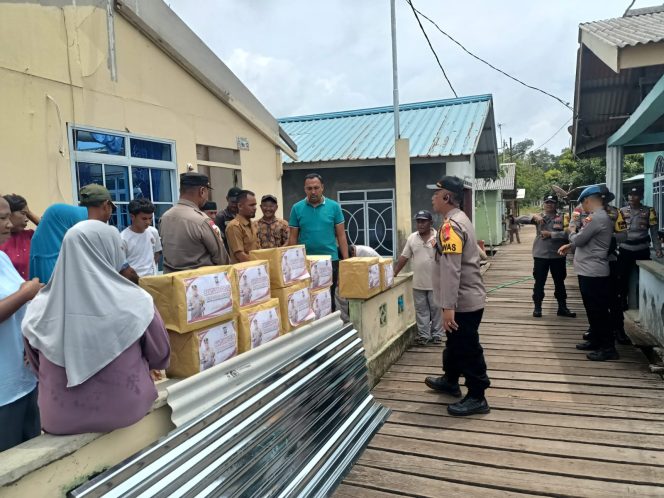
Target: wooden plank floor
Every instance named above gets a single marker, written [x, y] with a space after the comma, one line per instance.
[560, 425]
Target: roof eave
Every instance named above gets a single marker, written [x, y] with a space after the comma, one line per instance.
[167, 31]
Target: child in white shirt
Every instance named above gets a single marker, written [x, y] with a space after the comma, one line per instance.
[141, 241]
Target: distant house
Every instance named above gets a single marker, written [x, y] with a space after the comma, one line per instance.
[124, 94]
[354, 152]
[494, 198]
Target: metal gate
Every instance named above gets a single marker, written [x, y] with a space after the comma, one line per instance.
[369, 217]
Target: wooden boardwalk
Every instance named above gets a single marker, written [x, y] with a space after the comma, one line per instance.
[560, 425]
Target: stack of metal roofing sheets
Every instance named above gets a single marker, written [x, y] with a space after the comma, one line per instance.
[287, 419]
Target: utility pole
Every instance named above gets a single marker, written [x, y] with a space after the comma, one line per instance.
[395, 72]
[401, 152]
[502, 143]
[511, 156]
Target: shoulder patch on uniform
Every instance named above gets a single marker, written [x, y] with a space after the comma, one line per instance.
[450, 241]
[653, 218]
[620, 225]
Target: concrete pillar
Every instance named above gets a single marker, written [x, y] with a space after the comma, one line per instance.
[614, 170]
[402, 191]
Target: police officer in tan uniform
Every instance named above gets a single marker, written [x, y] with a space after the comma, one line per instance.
[188, 236]
[551, 235]
[459, 291]
[642, 227]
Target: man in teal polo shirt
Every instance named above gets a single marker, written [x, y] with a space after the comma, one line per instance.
[318, 223]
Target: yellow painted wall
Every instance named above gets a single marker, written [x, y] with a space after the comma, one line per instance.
[153, 97]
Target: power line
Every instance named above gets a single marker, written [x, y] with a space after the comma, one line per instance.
[552, 136]
[415, 12]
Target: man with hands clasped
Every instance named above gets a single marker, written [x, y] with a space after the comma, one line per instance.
[459, 291]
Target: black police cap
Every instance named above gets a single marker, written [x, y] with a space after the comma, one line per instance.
[451, 183]
[192, 179]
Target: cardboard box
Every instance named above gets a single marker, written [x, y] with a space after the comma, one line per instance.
[259, 324]
[199, 350]
[251, 283]
[288, 265]
[193, 299]
[359, 278]
[295, 303]
[321, 302]
[320, 270]
[386, 273]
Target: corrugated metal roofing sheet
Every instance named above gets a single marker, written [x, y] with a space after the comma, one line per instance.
[440, 128]
[628, 31]
[504, 182]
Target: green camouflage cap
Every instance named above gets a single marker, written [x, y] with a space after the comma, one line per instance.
[94, 193]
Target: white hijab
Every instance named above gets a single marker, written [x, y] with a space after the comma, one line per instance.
[88, 314]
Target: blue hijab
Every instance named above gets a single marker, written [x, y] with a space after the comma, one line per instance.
[47, 240]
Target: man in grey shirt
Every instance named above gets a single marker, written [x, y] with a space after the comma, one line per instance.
[591, 263]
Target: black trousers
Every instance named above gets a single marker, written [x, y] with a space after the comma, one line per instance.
[595, 292]
[617, 319]
[541, 269]
[463, 354]
[626, 263]
[335, 282]
[19, 421]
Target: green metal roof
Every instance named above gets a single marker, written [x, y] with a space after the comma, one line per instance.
[436, 129]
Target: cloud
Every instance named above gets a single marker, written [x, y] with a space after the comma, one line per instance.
[301, 57]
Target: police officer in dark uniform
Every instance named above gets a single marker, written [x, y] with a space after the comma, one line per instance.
[642, 227]
[458, 289]
[551, 235]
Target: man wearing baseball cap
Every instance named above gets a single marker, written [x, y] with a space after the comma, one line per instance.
[97, 199]
[642, 228]
[272, 231]
[459, 291]
[591, 263]
[551, 227]
[188, 235]
[420, 248]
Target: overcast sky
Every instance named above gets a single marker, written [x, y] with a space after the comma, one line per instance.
[307, 56]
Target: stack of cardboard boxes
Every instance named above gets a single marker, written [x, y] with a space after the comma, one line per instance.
[320, 269]
[199, 309]
[289, 281]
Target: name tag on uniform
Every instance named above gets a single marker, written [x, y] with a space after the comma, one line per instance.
[450, 242]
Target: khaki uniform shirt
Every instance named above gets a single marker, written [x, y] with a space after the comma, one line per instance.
[189, 240]
[457, 282]
[242, 236]
[556, 224]
[642, 227]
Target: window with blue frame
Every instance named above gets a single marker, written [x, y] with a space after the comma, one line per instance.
[129, 167]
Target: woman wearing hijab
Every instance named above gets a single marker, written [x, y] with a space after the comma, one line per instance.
[46, 242]
[93, 336]
[19, 415]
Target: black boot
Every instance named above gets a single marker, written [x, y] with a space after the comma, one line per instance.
[563, 310]
[469, 406]
[441, 384]
[588, 346]
[605, 354]
[537, 312]
[621, 337]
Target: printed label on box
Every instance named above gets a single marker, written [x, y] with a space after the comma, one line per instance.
[208, 296]
[321, 273]
[388, 275]
[374, 276]
[299, 307]
[264, 326]
[254, 283]
[322, 303]
[217, 344]
[293, 265]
